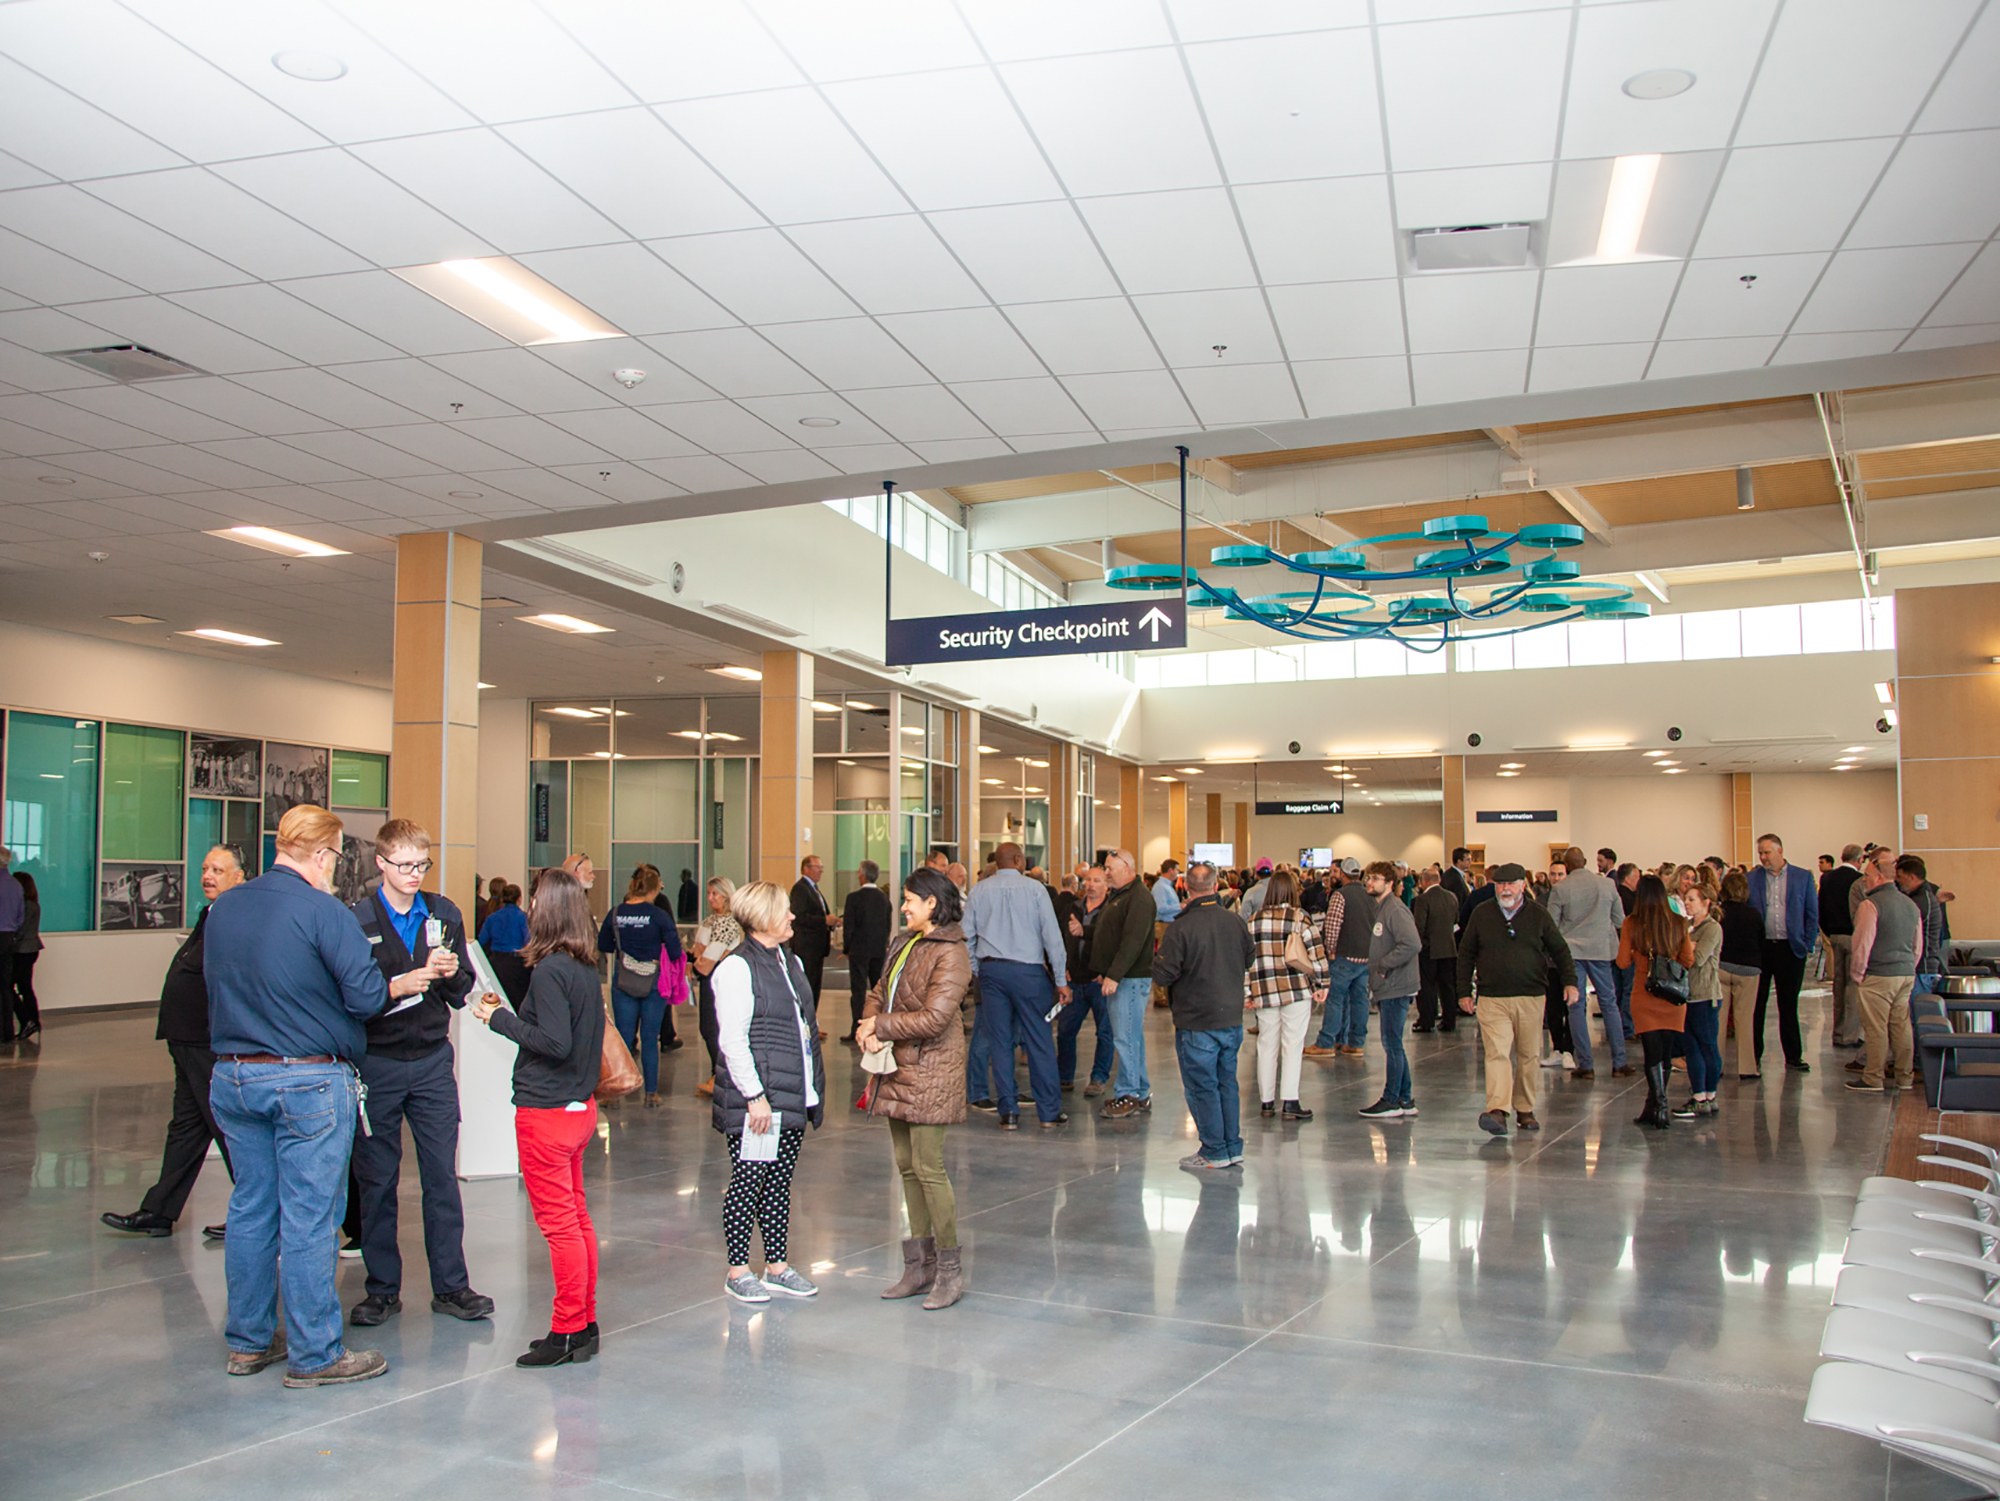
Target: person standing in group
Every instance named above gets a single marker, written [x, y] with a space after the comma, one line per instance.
[1202, 965]
[1435, 913]
[1788, 900]
[1017, 956]
[1883, 958]
[1505, 953]
[1652, 934]
[1912, 879]
[1588, 913]
[813, 923]
[772, 1082]
[1348, 933]
[687, 901]
[1121, 952]
[559, 1030]
[505, 930]
[637, 937]
[13, 904]
[1259, 889]
[1395, 962]
[1166, 907]
[1283, 994]
[1704, 1055]
[1457, 877]
[24, 1011]
[1738, 967]
[1836, 932]
[579, 865]
[183, 1027]
[1086, 997]
[714, 940]
[865, 920]
[918, 1009]
[291, 986]
[408, 1074]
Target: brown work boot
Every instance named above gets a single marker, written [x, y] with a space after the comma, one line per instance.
[355, 1365]
[250, 1362]
[950, 1285]
[919, 1268]
[1525, 1121]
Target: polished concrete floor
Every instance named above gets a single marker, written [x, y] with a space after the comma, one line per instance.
[1374, 1310]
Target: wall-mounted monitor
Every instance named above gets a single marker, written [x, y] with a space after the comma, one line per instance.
[1316, 859]
[1222, 856]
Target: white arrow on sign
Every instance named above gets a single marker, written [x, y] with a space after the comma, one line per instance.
[1156, 617]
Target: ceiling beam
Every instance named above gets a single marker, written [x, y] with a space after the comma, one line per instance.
[1582, 512]
[1653, 584]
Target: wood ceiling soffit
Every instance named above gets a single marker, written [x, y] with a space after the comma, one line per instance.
[1935, 467]
[1530, 429]
[1286, 457]
[1510, 511]
[1682, 497]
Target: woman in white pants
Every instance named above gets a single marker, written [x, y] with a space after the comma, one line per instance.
[1286, 991]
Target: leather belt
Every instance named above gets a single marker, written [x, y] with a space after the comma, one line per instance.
[273, 1058]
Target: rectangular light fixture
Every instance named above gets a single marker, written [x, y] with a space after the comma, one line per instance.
[136, 619]
[234, 638]
[855, 703]
[711, 735]
[570, 713]
[1596, 745]
[1625, 205]
[482, 685]
[568, 624]
[276, 541]
[917, 729]
[1890, 715]
[509, 299]
[820, 706]
[1884, 693]
[741, 674]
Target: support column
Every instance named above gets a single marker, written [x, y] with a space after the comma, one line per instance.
[968, 790]
[1062, 812]
[1177, 821]
[1948, 708]
[1743, 817]
[1131, 794]
[1243, 852]
[1454, 805]
[785, 767]
[434, 745]
[1215, 818]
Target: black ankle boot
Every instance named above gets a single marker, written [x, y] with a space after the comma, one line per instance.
[559, 1349]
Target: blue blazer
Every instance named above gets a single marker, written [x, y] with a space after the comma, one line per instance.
[1801, 906]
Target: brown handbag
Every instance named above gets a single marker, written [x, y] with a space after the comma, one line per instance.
[618, 1074]
[1297, 959]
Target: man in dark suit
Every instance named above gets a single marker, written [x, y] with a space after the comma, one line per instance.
[864, 926]
[184, 1029]
[812, 923]
[1456, 878]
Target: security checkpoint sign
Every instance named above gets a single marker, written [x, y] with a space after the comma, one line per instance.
[1073, 630]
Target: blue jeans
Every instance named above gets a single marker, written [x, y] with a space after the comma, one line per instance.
[1208, 1079]
[1396, 1084]
[1600, 975]
[1087, 999]
[1128, 1035]
[1926, 985]
[1704, 1054]
[289, 1128]
[1014, 1002]
[1623, 973]
[643, 1013]
[1346, 1020]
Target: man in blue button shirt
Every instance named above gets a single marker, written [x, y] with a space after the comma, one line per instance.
[291, 985]
[1017, 957]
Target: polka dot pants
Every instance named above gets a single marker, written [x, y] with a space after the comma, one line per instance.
[760, 1195]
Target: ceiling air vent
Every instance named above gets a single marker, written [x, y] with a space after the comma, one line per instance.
[1470, 247]
[127, 362]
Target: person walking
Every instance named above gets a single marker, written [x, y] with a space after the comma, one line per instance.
[1588, 913]
[1121, 952]
[714, 940]
[1884, 957]
[1788, 900]
[1086, 996]
[918, 1009]
[1704, 1007]
[1738, 966]
[559, 1030]
[865, 920]
[1655, 933]
[638, 938]
[1395, 959]
[1201, 966]
[771, 1084]
[26, 1010]
[1282, 993]
[1435, 913]
[1017, 955]
[1836, 932]
[1348, 933]
[1504, 955]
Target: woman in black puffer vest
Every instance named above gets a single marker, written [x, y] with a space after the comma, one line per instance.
[771, 1079]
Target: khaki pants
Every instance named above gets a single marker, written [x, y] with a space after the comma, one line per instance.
[1885, 1023]
[1846, 1003]
[1511, 1027]
[1739, 999]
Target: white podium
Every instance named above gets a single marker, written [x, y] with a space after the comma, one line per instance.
[485, 1069]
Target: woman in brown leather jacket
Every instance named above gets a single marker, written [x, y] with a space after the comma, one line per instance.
[918, 1008]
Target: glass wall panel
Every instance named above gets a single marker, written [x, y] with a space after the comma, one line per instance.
[944, 735]
[731, 811]
[50, 815]
[548, 813]
[844, 785]
[828, 722]
[944, 807]
[843, 841]
[655, 801]
[360, 780]
[657, 726]
[916, 724]
[671, 858]
[142, 792]
[733, 725]
[590, 824]
[868, 725]
[914, 794]
[579, 727]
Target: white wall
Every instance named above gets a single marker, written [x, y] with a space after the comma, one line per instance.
[503, 790]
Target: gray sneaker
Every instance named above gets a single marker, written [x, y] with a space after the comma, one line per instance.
[1200, 1164]
[746, 1289]
[355, 1365]
[790, 1283]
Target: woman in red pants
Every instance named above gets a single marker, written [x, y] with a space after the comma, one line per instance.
[560, 1031]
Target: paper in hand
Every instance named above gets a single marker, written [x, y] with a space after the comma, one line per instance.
[758, 1148]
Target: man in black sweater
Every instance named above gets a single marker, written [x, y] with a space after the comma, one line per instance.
[1505, 953]
[865, 921]
[408, 1075]
[1201, 965]
[1836, 928]
[184, 1029]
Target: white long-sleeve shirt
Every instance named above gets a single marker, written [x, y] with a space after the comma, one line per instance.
[735, 1001]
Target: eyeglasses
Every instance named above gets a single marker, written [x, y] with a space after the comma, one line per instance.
[410, 867]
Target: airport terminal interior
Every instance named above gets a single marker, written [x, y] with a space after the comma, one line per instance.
[1411, 454]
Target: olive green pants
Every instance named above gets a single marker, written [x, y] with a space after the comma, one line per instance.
[926, 1190]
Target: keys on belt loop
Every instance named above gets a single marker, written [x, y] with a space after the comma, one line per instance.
[361, 1104]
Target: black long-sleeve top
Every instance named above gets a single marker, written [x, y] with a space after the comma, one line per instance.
[560, 1032]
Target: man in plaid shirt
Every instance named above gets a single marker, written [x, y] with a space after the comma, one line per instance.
[1349, 929]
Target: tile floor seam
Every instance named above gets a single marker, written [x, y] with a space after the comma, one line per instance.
[93, 1291]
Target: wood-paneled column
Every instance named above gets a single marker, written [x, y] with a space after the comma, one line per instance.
[434, 740]
[1454, 805]
[785, 767]
[1743, 817]
[1131, 795]
[1948, 708]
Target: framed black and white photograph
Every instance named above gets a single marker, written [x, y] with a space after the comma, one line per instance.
[140, 895]
[225, 768]
[293, 775]
[355, 876]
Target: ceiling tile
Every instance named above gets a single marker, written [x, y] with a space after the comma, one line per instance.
[15, 438]
[1605, 304]
[921, 414]
[624, 433]
[491, 188]
[1230, 396]
[48, 329]
[1877, 289]
[1333, 230]
[44, 275]
[68, 220]
[395, 312]
[352, 204]
[1283, 108]
[1716, 40]
[1473, 195]
[1022, 408]
[1470, 310]
[1976, 296]
[195, 205]
[1714, 302]
[787, 415]
[967, 344]
[636, 172]
[627, 285]
[1015, 30]
[60, 134]
[1953, 337]
[1171, 242]
[680, 51]
[428, 390]
[531, 439]
[615, 483]
[699, 473]
[1217, 20]
[550, 491]
[1800, 349]
[1084, 112]
[973, 148]
[1188, 326]
[1912, 204]
[1031, 252]
[442, 444]
[735, 361]
[1132, 398]
[269, 456]
[898, 36]
[237, 405]
[846, 353]
[596, 362]
[363, 455]
[1443, 378]
[880, 459]
[1774, 199]
[1847, 68]
[140, 408]
[500, 59]
[1093, 335]
[1472, 92]
[757, 274]
[522, 377]
[1969, 95]
[285, 323]
[719, 427]
[1340, 320]
[788, 153]
[173, 330]
[892, 265]
[209, 468]
[1572, 367]
[783, 466]
[61, 420]
[956, 450]
[1708, 356]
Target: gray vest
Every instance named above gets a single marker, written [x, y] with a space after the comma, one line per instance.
[1894, 952]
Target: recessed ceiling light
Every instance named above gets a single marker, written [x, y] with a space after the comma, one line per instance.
[711, 735]
[1032, 762]
[1031, 789]
[276, 541]
[1166, 779]
[482, 685]
[821, 706]
[917, 729]
[311, 67]
[741, 674]
[1513, 765]
[55, 479]
[855, 703]
[844, 762]
[1885, 693]
[568, 624]
[569, 713]
[1890, 716]
[1625, 205]
[466, 494]
[1658, 83]
[819, 422]
[509, 299]
[136, 619]
[233, 638]
[1656, 753]
[989, 750]
[1186, 771]
[1843, 767]
[1508, 773]
[1855, 749]
[1595, 745]
[1674, 771]
[991, 782]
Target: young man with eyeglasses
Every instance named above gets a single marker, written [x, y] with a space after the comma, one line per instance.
[408, 1075]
